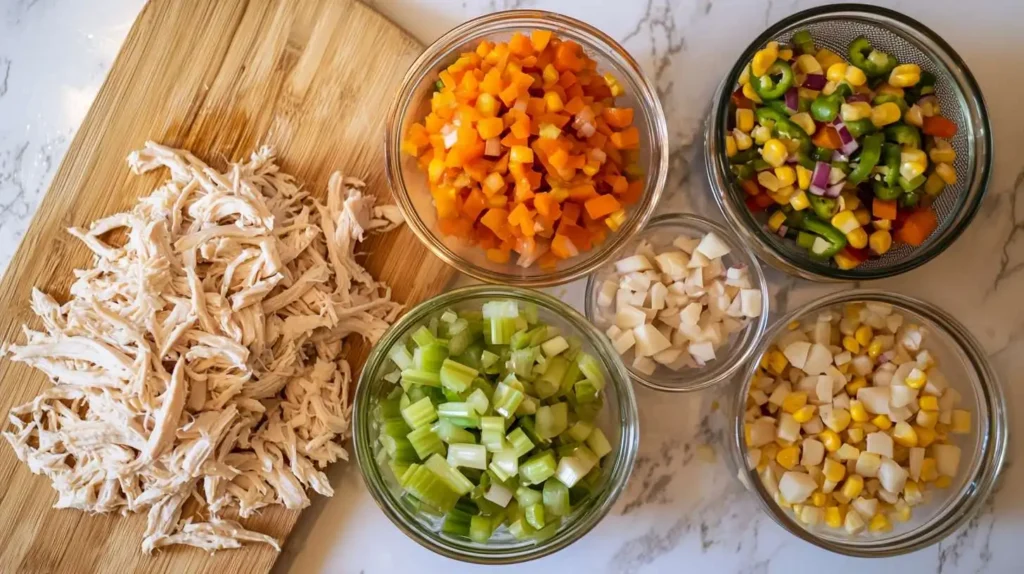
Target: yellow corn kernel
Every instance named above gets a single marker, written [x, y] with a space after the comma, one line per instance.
[928, 403]
[864, 334]
[829, 89]
[855, 76]
[882, 422]
[833, 518]
[916, 379]
[776, 220]
[858, 238]
[744, 119]
[879, 523]
[774, 152]
[785, 54]
[853, 486]
[905, 75]
[946, 172]
[934, 184]
[925, 436]
[830, 439]
[929, 106]
[777, 363]
[942, 152]
[761, 134]
[807, 64]
[851, 345]
[943, 482]
[881, 225]
[912, 169]
[845, 221]
[827, 57]
[849, 201]
[885, 114]
[913, 116]
[745, 75]
[875, 348]
[845, 261]
[880, 241]
[855, 111]
[750, 94]
[781, 501]
[819, 499]
[549, 75]
[887, 88]
[837, 72]
[803, 177]
[901, 511]
[788, 457]
[929, 469]
[613, 84]
[794, 402]
[743, 141]
[804, 414]
[912, 493]
[833, 470]
[857, 411]
[862, 215]
[763, 59]
[803, 119]
[793, 325]
[799, 200]
[855, 435]
[927, 419]
[786, 175]
[961, 422]
[839, 420]
[904, 434]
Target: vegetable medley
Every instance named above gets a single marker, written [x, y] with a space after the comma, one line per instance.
[491, 422]
[526, 151]
[845, 156]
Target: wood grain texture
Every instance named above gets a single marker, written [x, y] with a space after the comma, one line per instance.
[312, 77]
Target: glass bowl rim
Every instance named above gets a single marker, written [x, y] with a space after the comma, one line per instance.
[623, 62]
[597, 508]
[957, 511]
[964, 83]
[692, 221]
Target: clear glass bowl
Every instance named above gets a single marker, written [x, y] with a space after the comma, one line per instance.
[660, 233]
[963, 361]
[409, 184]
[960, 98]
[619, 420]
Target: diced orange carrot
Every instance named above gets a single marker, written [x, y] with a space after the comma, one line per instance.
[570, 213]
[882, 209]
[455, 227]
[546, 205]
[939, 127]
[633, 193]
[559, 159]
[917, 227]
[520, 45]
[521, 128]
[540, 39]
[574, 105]
[618, 183]
[510, 141]
[583, 192]
[602, 205]
[750, 186]
[827, 137]
[618, 117]
[496, 219]
[562, 247]
[498, 255]
[580, 237]
[474, 204]
[628, 138]
[490, 128]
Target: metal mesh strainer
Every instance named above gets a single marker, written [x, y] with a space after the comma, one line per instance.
[835, 27]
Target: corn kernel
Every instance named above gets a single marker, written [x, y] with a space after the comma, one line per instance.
[761, 134]
[744, 119]
[827, 57]
[836, 72]
[833, 518]
[862, 215]
[848, 452]
[750, 94]
[913, 116]
[881, 225]
[858, 238]
[745, 75]
[857, 411]
[853, 486]
[946, 172]
[613, 84]
[934, 184]
[777, 363]
[804, 414]
[839, 420]
[807, 64]
[916, 379]
[833, 470]
[961, 422]
[925, 436]
[776, 220]
[882, 422]
[794, 402]
[885, 114]
[788, 457]
[851, 345]
[763, 59]
[905, 75]
[799, 200]
[845, 261]
[929, 107]
[785, 54]
[819, 499]
[875, 349]
[904, 434]
[830, 439]
[879, 523]
[855, 76]
[927, 419]
[844, 221]
[912, 493]
[912, 169]
[549, 75]
[864, 334]
[928, 403]
[743, 141]
[849, 201]
[942, 152]
[943, 482]
[855, 435]
[774, 152]
[880, 241]
[804, 120]
[929, 470]
[786, 175]
[855, 111]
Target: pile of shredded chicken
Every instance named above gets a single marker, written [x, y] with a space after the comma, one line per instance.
[202, 359]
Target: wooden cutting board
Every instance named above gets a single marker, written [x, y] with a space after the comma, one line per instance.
[314, 78]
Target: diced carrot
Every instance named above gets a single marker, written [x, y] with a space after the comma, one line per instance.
[882, 209]
[520, 45]
[559, 159]
[484, 48]
[546, 205]
[548, 262]
[567, 57]
[918, 225]
[633, 193]
[510, 141]
[455, 227]
[583, 192]
[574, 105]
[580, 237]
[750, 186]
[498, 255]
[628, 138]
[827, 137]
[939, 127]
[509, 94]
[540, 39]
[534, 178]
[535, 107]
[521, 129]
[519, 214]
[490, 128]
[522, 191]
[474, 204]
[602, 205]
[444, 201]
[563, 248]
[567, 79]
[618, 117]
[570, 212]
[496, 219]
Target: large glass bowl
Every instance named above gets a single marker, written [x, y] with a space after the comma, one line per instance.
[834, 27]
[963, 362]
[409, 184]
[618, 420]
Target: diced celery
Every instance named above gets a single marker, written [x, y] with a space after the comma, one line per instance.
[548, 531]
[573, 468]
[395, 427]
[456, 376]
[488, 358]
[449, 316]
[535, 515]
[425, 442]
[528, 425]
[467, 455]
[498, 494]
[504, 308]
[418, 377]
[478, 400]
[556, 497]
[399, 449]
[451, 396]
[429, 488]
[452, 434]
[554, 346]
[580, 431]
[492, 433]
[552, 420]
[519, 443]
[389, 407]
[530, 313]
[586, 391]
[454, 479]
[393, 377]
[528, 406]
[591, 369]
[463, 338]
[399, 354]
[480, 528]
[504, 464]
[550, 382]
[538, 468]
[457, 523]
[397, 468]
[420, 413]
[572, 374]
[506, 399]
[598, 443]
[459, 414]
[526, 496]
[430, 357]
[574, 348]
[522, 361]
[423, 337]
[521, 530]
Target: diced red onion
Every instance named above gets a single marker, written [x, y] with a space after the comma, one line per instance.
[819, 179]
[586, 130]
[450, 139]
[597, 154]
[447, 129]
[781, 231]
[585, 116]
[791, 158]
[792, 99]
[886, 356]
[815, 81]
[834, 190]
[492, 148]
[858, 98]
[850, 144]
[836, 156]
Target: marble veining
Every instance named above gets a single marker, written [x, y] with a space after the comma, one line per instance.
[682, 510]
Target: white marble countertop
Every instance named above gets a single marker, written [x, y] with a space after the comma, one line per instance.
[680, 512]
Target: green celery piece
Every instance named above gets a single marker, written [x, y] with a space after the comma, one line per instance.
[431, 357]
[518, 442]
[454, 479]
[535, 515]
[399, 449]
[425, 442]
[547, 532]
[457, 523]
[528, 496]
[556, 497]
[591, 369]
[550, 382]
[456, 376]
[452, 434]
[478, 399]
[399, 355]
[586, 392]
[459, 414]
[572, 374]
[530, 313]
[528, 426]
[538, 468]
[552, 420]
[423, 337]
[580, 431]
[506, 400]
[481, 528]
[429, 488]
[420, 413]
[418, 377]
[395, 427]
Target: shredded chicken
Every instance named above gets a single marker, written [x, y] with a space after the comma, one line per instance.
[202, 359]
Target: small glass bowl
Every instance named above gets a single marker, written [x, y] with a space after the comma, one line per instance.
[660, 232]
[409, 184]
[834, 27]
[619, 420]
[963, 362]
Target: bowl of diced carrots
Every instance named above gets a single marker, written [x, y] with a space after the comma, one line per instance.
[881, 126]
[525, 148]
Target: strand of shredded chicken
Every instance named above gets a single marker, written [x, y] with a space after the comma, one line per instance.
[202, 359]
